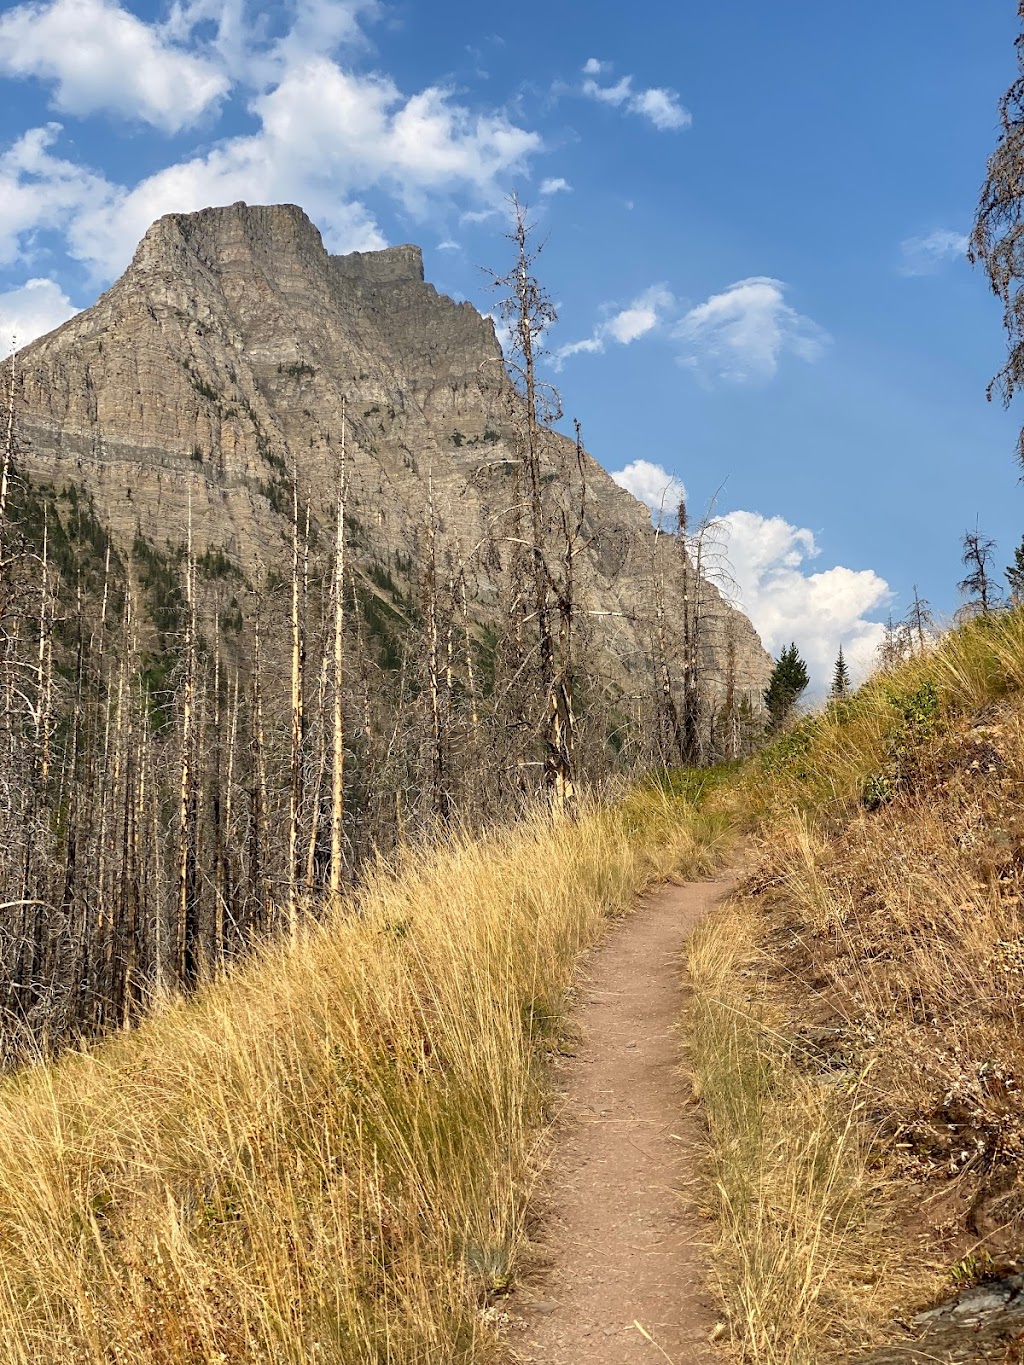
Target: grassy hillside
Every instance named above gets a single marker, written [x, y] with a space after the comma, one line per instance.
[326, 1156]
[857, 1032]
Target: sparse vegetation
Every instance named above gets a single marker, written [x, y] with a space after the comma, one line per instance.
[857, 1032]
[298, 369]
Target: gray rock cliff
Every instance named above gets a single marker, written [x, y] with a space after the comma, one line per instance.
[219, 362]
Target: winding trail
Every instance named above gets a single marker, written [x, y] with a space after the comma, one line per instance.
[621, 1262]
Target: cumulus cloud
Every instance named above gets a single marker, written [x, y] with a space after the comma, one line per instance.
[662, 107]
[742, 333]
[658, 104]
[787, 601]
[643, 315]
[40, 191]
[925, 255]
[100, 57]
[771, 564]
[651, 484]
[30, 311]
[555, 185]
[325, 135]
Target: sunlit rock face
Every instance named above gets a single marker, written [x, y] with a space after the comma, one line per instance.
[221, 362]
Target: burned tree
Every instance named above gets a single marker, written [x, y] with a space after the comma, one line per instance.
[997, 239]
[982, 592]
[527, 312]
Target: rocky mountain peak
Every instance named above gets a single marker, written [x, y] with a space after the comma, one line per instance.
[262, 237]
[220, 363]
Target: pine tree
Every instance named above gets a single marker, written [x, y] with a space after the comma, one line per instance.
[1015, 574]
[840, 677]
[786, 686]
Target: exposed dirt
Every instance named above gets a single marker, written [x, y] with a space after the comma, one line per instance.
[620, 1272]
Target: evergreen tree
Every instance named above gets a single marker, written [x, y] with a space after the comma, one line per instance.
[785, 687]
[1015, 574]
[840, 677]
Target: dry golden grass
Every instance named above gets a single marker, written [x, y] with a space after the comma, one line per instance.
[858, 1024]
[798, 1261]
[327, 1156]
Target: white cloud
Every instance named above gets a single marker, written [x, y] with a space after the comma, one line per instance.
[662, 107]
[742, 333]
[589, 346]
[325, 135]
[101, 57]
[925, 255]
[643, 315]
[474, 216]
[651, 484]
[30, 311]
[819, 611]
[555, 185]
[448, 245]
[615, 94]
[40, 191]
[659, 105]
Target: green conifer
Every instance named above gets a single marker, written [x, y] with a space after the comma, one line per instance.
[1015, 574]
[785, 687]
[840, 677]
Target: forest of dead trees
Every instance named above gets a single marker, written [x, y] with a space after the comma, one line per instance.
[190, 760]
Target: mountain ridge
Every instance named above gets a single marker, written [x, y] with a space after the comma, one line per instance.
[220, 363]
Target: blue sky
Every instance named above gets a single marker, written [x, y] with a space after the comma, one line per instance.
[754, 214]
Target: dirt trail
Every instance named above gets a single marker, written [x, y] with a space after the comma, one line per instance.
[621, 1242]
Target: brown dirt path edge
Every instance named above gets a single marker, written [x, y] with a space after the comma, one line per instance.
[621, 1242]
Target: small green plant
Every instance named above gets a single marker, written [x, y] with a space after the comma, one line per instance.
[879, 788]
[918, 719]
[971, 1269]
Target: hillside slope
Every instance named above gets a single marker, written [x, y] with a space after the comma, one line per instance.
[859, 1033]
[327, 1156]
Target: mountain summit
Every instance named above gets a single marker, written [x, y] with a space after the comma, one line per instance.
[215, 372]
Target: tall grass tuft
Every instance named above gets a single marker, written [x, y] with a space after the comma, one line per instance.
[858, 1031]
[325, 1157]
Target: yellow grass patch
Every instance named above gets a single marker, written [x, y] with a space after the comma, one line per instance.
[326, 1156]
[857, 1028]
